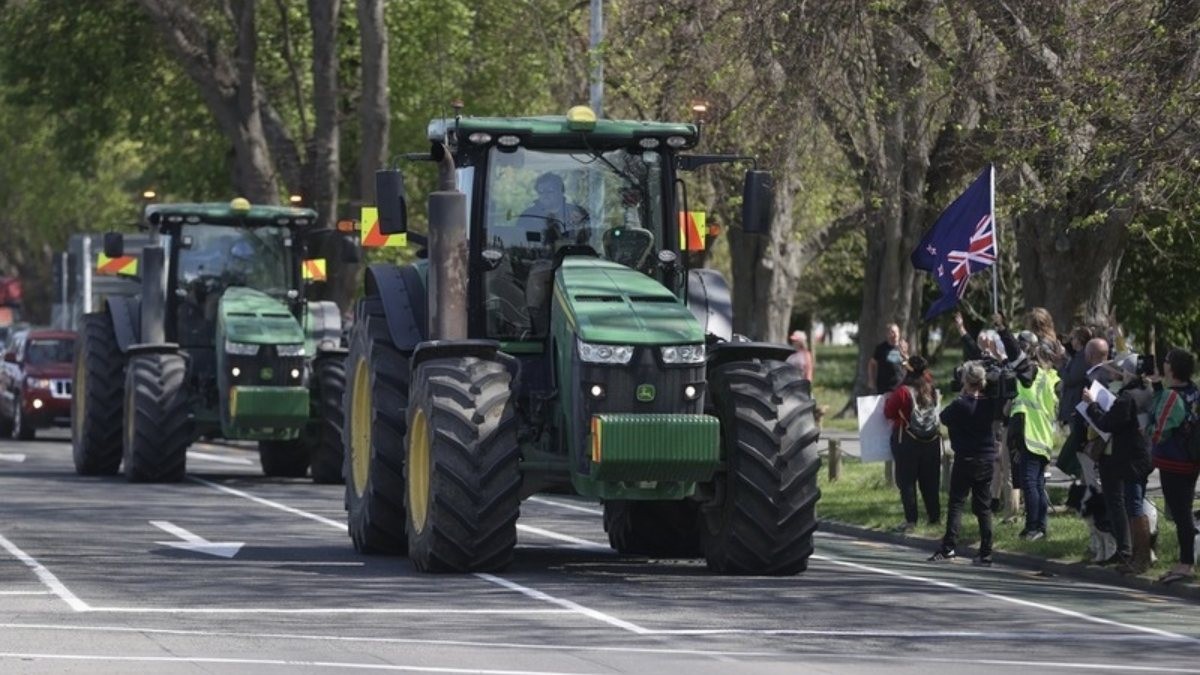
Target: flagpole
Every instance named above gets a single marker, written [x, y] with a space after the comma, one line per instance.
[995, 238]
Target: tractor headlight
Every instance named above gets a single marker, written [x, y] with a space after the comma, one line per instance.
[290, 350]
[683, 354]
[615, 354]
[240, 348]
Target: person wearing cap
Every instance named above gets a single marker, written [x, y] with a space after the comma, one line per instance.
[552, 217]
[916, 444]
[1031, 434]
[802, 358]
[969, 419]
[1125, 464]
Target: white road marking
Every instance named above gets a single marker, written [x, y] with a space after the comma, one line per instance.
[321, 610]
[1004, 598]
[574, 606]
[193, 542]
[240, 461]
[566, 505]
[574, 541]
[267, 502]
[12, 456]
[272, 662]
[26, 593]
[46, 576]
[304, 637]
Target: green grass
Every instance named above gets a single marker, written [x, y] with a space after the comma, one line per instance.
[862, 497]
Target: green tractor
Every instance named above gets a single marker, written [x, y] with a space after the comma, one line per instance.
[552, 337]
[219, 343]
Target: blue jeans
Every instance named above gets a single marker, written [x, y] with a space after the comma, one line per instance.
[1033, 489]
[1135, 493]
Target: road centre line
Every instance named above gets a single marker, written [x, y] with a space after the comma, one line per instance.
[320, 610]
[1016, 601]
[272, 662]
[46, 576]
[574, 541]
[574, 606]
[240, 461]
[566, 505]
[26, 593]
[267, 502]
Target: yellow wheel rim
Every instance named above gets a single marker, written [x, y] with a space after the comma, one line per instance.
[360, 427]
[418, 470]
[78, 399]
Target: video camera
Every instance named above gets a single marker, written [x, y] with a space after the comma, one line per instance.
[1000, 382]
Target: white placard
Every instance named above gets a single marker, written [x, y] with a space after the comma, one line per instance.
[874, 430]
[1104, 398]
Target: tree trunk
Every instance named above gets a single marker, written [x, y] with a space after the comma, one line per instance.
[373, 106]
[323, 157]
[228, 87]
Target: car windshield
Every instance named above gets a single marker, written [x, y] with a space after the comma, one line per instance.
[218, 257]
[41, 352]
[542, 202]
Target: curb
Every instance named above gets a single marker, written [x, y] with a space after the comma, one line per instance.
[1079, 570]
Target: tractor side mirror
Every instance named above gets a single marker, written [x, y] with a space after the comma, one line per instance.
[389, 193]
[758, 202]
[114, 244]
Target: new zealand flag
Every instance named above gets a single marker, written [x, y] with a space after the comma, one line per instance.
[960, 243]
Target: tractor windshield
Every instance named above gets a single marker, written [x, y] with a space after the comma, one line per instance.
[540, 202]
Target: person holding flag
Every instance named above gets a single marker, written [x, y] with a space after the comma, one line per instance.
[961, 242]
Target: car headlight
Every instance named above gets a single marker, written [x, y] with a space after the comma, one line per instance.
[683, 354]
[240, 348]
[617, 354]
[36, 383]
[290, 350]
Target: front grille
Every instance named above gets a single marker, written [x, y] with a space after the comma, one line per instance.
[60, 388]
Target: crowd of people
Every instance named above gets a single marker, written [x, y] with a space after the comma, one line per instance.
[1124, 417]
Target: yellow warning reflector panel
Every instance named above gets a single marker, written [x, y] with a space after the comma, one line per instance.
[370, 234]
[314, 269]
[126, 265]
[692, 230]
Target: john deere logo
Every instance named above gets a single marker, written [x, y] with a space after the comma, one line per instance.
[645, 393]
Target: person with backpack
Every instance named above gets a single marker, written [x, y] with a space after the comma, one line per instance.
[1173, 428]
[916, 442]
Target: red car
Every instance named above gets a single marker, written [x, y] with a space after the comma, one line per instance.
[35, 382]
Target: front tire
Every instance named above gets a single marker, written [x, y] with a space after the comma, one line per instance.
[22, 430]
[765, 516]
[98, 395]
[328, 457]
[284, 459]
[374, 403]
[158, 429]
[462, 470]
[667, 529]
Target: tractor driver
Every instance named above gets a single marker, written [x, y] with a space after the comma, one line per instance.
[551, 218]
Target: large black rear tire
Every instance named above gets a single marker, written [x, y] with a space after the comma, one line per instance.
[764, 517]
[327, 456]
[668, 529]
[284, 459]
[158, 428]
[375, 405]
[99, 393]
[462, 466]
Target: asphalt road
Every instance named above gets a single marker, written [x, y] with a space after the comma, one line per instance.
[233, 572]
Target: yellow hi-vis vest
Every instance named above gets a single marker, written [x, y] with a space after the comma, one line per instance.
[1039, 404]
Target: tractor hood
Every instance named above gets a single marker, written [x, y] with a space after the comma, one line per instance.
[252, 316]
[608, 303]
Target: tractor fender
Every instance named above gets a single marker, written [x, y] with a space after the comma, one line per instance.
[405, 306]
[126, 313]
[154, 348]
[325, 325]
[711, 303]
[488, 350]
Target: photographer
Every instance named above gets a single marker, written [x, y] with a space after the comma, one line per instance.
[969, 419]
[1125, 465]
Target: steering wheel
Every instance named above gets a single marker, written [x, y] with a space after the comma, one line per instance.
[628, 246]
